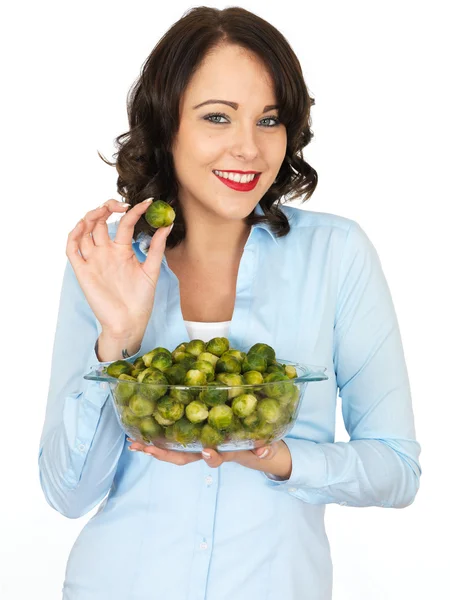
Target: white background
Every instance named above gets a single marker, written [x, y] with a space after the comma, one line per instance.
[379, 74]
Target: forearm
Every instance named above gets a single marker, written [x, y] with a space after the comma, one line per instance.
[368, 472]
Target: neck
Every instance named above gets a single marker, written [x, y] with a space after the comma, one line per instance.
[212, 241]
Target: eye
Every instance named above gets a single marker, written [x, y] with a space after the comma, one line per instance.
[213, 115]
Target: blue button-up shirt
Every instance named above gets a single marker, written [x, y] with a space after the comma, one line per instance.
[168, 532]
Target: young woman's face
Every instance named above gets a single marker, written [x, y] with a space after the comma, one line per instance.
[246, 139]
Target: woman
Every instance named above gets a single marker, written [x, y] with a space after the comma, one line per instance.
[222, 92]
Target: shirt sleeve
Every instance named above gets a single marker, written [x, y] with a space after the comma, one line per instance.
[81, 440]
[379, 465]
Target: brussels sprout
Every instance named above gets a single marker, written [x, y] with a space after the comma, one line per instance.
[139, 363]
[236, 424]
[232, 380]
[197, 411]
[179, 355]
[184, 432]
[251, 421]
[263, 350]
[269, 410]
[244, 405]
[254, 362]
[142, 374]
[148, 357]
[124, 391]
[150, 429]
[187, 361]
[235, 354]
[169, 408]
[159, 214]
[157, 384]
[161, 361]
[277, 389]
[135, 372]
[195, 377]
[263, 432]
[128, 418]
[290, 371]
[213, 397]
[175, 374]
[218, 345]
[195, 347]
[253, 378]
[220, 416]
[208, 356]
[206, 367]
[185, 396]
[210, 437]
[275, 367]
[161, 420]
[118, 367]
[140, 406]
[181, 347]
[229, 364]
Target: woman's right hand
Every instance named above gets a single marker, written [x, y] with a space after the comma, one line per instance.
[119, 289]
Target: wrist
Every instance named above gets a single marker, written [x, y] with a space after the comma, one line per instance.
[110, 347]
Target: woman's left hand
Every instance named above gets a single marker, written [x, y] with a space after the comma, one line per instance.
[274, 458]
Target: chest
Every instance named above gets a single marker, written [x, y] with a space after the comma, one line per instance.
[207, 294]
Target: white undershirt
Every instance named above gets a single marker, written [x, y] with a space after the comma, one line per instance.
[206, 331]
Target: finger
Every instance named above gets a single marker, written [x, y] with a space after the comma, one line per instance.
[125, 230]
[73, 246]
[152, 264]
[213, 458]
[176, 458]
[99, 226]
[265, 452]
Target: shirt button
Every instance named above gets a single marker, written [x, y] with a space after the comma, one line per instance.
[343, 503]
[203, 546]
[104, 386]
[81, 447]
[292, 489]
[209, 480]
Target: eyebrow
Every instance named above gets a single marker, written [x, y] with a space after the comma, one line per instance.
[234, 105]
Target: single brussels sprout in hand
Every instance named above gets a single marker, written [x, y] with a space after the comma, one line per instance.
[197, 411]
[195, 347]
[159, 214]
[119, 367]
[218, 345]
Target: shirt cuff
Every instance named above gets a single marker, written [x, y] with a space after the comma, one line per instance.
[308, 466]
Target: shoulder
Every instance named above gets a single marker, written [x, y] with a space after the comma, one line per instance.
[300, 218]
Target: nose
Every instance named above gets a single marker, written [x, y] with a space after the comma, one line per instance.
[245, 143]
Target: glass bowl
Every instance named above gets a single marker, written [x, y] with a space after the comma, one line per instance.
[226, 418]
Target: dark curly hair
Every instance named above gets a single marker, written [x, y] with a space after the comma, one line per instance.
[144, 159]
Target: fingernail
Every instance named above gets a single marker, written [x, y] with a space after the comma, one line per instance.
[148, 200]
[265, 453]
[124, 204]
[206, 454]
[132, 449]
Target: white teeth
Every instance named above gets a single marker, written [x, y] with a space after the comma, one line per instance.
[236, 176]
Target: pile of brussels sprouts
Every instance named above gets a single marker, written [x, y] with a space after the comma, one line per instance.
[210, 407]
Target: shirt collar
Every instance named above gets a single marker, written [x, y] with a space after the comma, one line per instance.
[143, 239]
